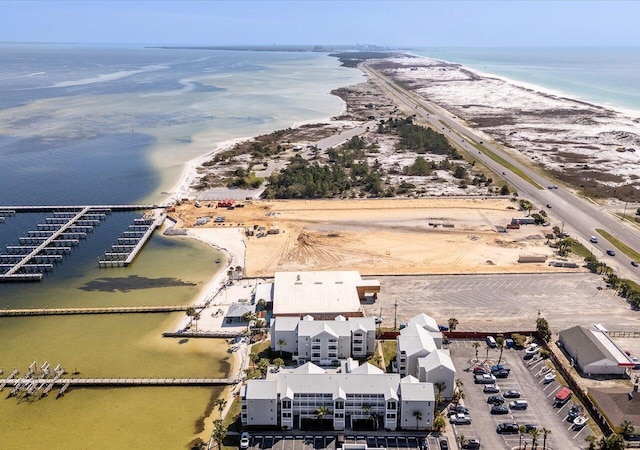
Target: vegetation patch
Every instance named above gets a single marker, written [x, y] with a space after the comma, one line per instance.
[507, 165]
[132, 282]
[624, 248]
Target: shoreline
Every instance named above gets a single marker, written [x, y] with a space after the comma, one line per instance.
[537, 88]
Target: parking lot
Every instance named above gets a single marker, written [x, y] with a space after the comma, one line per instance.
[310, 441]
[527, 377]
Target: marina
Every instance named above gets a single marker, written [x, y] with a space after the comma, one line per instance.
[40, 249]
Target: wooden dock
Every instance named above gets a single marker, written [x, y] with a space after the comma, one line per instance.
[106, 310]
[137, 235]
[124, 382]
[59, 208]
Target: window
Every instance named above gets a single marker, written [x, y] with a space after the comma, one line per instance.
[333, 355]
[339, 405]
[391, 405]
[333, 341]
[333, 347]
[357, 349]
[339, 415]
[315, 347]
[391, 416]
[286, 404]
[286, 415]
[316, 340]
[315, 355]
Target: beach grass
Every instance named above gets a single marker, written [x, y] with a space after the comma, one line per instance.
[507, 165]
[617, 243]
[579, 249]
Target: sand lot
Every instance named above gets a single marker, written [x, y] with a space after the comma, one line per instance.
[378, 236]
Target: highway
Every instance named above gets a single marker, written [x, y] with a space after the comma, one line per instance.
[576, 215]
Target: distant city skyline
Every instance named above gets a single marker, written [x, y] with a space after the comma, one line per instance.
[386, 23]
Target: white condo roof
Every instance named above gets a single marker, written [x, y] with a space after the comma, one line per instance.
[426, 322]
[316, 292]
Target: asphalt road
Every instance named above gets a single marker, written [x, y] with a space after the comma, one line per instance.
[578, 216]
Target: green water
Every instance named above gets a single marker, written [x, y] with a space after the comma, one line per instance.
[122, 345]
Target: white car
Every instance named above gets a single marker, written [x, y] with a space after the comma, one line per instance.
[460, 419]
[244, 440]
[593, 239]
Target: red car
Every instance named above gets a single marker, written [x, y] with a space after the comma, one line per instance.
[480, 370]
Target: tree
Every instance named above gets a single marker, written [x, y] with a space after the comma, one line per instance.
[591, 439]
[278, 362]
[439, 422]
[487, 348]
[219, 432]
[190, 311]
[453, 323]
[261, 304]
[196, 317]
[534, 438]
[476, 346]
[249, 316]
[626, 427]
[418, 415]
[281, 343]
[504, 190]
[613, 442]
[220, 403]
[545, 433]
[521, 430]
[321, 411]
[542, 327]
[500, 344]
[255, 358]
[263, 366]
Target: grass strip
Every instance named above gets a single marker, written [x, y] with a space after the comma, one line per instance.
[507, 165]
[624, 248]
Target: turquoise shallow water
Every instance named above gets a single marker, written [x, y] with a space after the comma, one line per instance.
[605, 76]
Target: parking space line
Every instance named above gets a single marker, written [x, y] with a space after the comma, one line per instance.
[554, 391]
[581, 429]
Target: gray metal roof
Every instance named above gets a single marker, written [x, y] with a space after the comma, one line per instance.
[592, 346]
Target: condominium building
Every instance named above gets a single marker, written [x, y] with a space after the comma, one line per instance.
[323, 342]
[291, 398]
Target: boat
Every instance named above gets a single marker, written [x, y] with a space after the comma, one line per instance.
[562, 396]
[548, 378]
[532, 350]
[218, 261]
[580, 421]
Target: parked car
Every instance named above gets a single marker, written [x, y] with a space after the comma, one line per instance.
[499, 409]
[484, 379]
[460, 419]
[495, 400]
[471, 444]
[512, 394]
[244, 440]
[507, 428]
[498, 367]
[611, 252]
[529, 427]
[443, 328]
[501, 374]
[480, 370]
[491, 389]
[519, 404]
[636, 361]
[458, 409]
[444, 444]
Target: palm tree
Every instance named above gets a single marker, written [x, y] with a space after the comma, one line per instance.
[281, 343]
[591, 439]
[263, 366]
[545, 433]
[521, 430]
[278, 362]
[261, 304]
[219, 432]
[476, 346]
[487, 348]
[220, 403]
[439, 422]
[626, 427]
[418, 415]
[196, 317]
[534, 438]
[500, 344]
[190, 311]
[453, 323]
[321, 411]
[254, 357]
[461, 439]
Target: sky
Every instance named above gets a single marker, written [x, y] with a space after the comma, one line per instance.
[387, 23]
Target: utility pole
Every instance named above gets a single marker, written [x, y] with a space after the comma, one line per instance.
[625, 211]
[395, 315]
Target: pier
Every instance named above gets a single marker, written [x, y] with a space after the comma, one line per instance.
[40, 249]
[130, 243]
[114, 382]
[105, 310]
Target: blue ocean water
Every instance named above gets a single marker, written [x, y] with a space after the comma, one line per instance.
[604, 76]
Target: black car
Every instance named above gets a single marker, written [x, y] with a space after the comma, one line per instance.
[634, 263]
[507, 428]
[444, 444]
[530, 427]
[458, 409]
[501, 374]
[611, 252]
[499, 409]
[495, 400]
[443, 328]
[511, 394]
